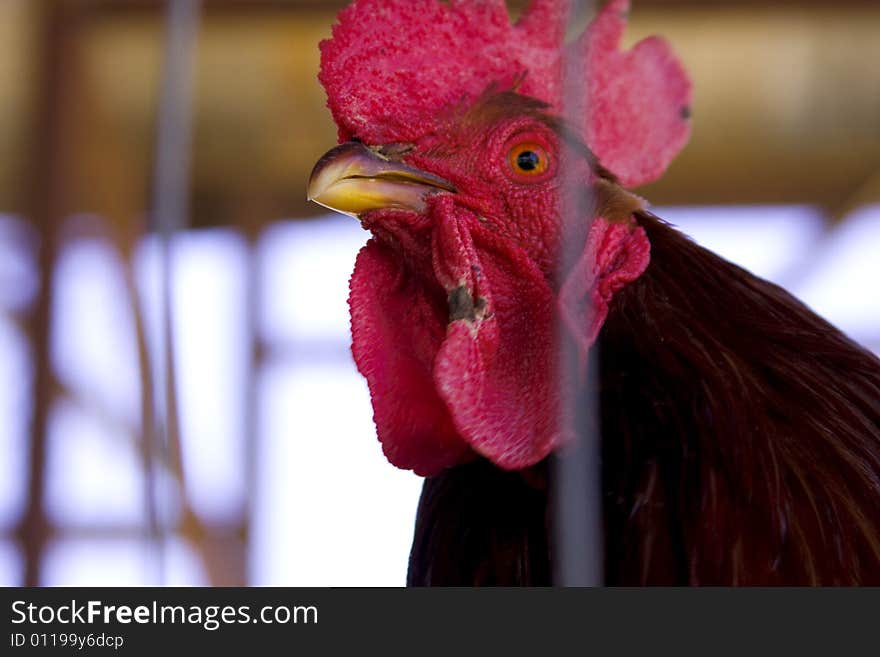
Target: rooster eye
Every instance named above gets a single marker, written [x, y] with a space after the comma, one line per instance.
[528, 159]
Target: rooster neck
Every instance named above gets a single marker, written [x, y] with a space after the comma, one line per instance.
[738, 426]
[741, 445]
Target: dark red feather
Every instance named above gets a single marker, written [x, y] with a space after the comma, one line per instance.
[740, 441]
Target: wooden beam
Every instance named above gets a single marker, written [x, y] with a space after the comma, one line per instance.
[48, 192]
[213, 7]
[291, 6]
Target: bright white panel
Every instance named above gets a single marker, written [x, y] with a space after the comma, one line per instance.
[183, 566]
[94, 350]
[121, 562]
[15, 408]
[19, 279]
[842, 284]
[331, 511]
[11, 564]
[210, 349]
[770, 241]
[83, 562]
[211, 352]
[306, 266]
[93, 476]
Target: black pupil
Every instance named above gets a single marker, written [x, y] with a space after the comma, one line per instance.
[528, 160]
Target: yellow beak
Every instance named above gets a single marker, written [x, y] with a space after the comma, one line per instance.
[353, 179]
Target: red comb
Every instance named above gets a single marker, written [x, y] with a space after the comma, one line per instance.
[392, 65]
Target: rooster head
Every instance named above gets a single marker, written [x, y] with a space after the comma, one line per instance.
[467, 144]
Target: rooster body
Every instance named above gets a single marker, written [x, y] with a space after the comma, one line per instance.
[740, 432]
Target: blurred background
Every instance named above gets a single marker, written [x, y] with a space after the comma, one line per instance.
[178, 403]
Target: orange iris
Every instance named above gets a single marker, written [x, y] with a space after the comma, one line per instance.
[528, 159]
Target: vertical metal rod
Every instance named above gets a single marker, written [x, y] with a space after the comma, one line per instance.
[578, 521]
[170, 214]
[252, 425]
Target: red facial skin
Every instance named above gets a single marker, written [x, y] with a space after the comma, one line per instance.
[474, 158]
[455, 311]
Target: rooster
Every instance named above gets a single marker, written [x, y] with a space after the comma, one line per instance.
[740, 432]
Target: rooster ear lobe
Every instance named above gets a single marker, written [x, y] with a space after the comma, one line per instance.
[615, 254]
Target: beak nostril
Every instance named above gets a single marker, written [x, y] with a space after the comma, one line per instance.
[395, 151]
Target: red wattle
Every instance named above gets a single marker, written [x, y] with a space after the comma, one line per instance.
[397, 329]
